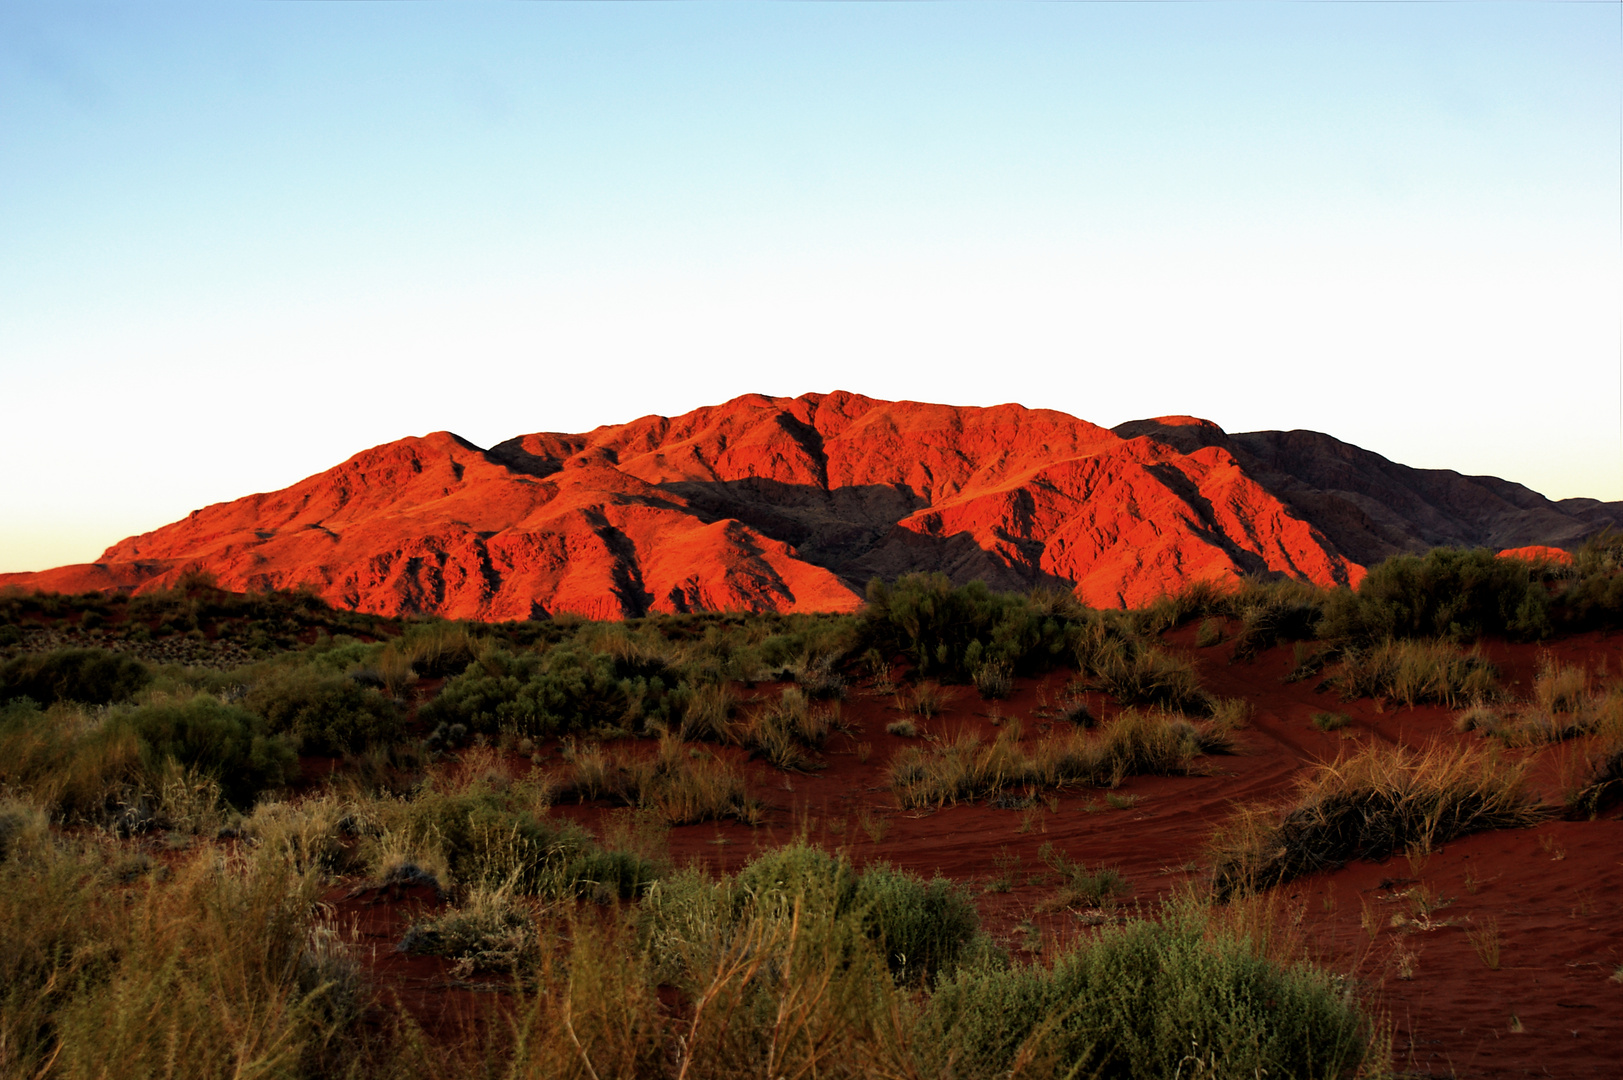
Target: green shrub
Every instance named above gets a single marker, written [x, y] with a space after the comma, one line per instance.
[951, 632]
[324, 713]
[223, 741]
[91, 676]
[923, 927]
[1445, 593]
[569, 688]
[487, 838]
[1150, 999]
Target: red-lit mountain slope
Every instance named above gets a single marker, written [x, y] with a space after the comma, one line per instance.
[792, 504]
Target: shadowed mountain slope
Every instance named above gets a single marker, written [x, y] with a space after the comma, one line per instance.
[792, 504]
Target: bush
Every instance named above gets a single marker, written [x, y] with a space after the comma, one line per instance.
[921, 927]
[487, 838]
[951, 632]
[1445, 593]
[1150, 999]
[78, 767]
[783, 731]
[225, 742]
[569, 688]
[490, 930]
[324, 713]
[90, 676]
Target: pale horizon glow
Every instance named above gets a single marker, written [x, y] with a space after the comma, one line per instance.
[240, 244]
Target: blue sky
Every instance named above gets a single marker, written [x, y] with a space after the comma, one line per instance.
[240, 242]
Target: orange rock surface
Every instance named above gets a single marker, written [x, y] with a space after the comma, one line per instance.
[1538, 553]
[758, 504]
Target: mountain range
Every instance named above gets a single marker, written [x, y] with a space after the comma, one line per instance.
[792, 504]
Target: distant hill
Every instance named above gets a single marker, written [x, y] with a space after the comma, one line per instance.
[793, 504]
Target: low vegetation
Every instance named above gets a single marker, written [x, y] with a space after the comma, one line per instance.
[189, 779]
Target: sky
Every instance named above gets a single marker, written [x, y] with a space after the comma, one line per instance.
[241, 242]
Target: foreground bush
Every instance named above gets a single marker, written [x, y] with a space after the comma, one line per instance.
[1149, 999]
[919, 928]
[1378, 801]
[222, 969]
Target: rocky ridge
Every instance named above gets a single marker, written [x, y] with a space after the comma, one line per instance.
[792, 504]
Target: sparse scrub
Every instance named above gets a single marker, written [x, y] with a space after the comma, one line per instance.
[492, 929]
[708, 713]
[1601, 781]
[927, 699]
[1231, 714]
[1331, 721]
[1485, 940]
[785, 730]
[1370, 804]
[1078, 885]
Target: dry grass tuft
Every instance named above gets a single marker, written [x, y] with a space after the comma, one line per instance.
[1377, 801]
[683, 784]
[967, 767]
[1416, 672]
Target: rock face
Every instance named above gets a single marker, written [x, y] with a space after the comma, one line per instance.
[792, 504]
